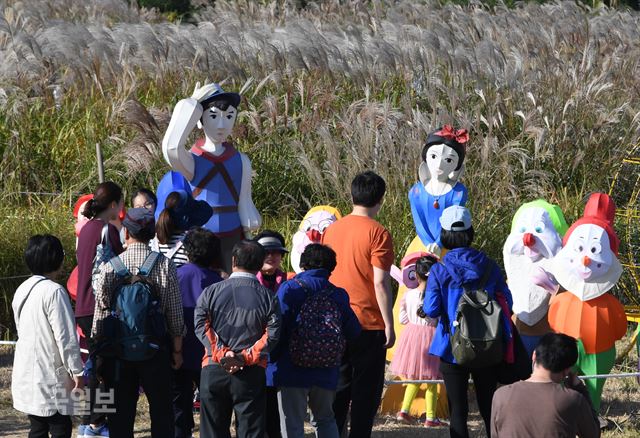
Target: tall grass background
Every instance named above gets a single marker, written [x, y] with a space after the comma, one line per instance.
[550, 94]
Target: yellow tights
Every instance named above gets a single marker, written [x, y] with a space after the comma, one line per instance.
[430, 398]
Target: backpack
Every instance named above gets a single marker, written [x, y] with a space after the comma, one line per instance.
[104, 253]
[135, 330]
[478, 339]
[317, 341]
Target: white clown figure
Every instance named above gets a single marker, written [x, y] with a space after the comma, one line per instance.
[311, 229]
[214, 170]
[587, 267]
[438, 186]
[536, 235]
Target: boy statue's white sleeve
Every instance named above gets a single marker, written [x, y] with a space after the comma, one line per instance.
[184, 118]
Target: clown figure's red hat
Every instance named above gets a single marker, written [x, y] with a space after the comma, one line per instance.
[600, 210]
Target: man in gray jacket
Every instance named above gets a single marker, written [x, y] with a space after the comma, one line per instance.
[238, 322]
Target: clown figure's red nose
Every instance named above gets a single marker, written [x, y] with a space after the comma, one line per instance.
[528, 240]
[314, 236]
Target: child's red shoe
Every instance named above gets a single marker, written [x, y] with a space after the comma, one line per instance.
[405, 418]
[434, 423]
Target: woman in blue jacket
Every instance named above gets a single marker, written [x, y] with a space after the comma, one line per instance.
[461, 265]
[298, 385]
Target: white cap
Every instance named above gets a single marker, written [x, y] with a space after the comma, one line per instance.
[453, 215]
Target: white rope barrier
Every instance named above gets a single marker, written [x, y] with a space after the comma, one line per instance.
[411, 382]
[15, 277]
[82, 350]
[591, 377]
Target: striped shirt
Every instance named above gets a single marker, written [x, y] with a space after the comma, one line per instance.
[163, 275]
[178, 257]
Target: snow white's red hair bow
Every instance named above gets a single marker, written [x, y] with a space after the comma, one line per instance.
[459, 135]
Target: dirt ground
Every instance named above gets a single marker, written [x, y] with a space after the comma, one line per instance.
[621, 406]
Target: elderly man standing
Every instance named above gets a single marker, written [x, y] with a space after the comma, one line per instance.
[238, 322]
[147, 360]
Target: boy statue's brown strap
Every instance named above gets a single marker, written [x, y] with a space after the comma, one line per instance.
[218, 168]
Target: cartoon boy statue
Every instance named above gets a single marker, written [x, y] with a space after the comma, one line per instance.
[215, 171]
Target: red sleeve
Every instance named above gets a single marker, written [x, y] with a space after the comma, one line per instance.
[382, 250]
[255, 354]
[218, 350]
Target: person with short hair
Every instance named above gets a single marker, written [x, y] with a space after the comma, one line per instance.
[272, 277]
[552, 402]
[299, 386]
[364, 251]
[203, 249]
[238, 322]
[46, 363]
[122, 376]
[462, 266]
[144, 198]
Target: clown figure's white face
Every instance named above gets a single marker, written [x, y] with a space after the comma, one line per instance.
[587, 253]
[441, 161]
[534, 235]
[217, 124]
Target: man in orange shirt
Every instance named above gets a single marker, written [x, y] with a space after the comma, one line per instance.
[364, 252]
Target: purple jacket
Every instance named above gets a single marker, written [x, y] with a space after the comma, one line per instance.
[192, 280]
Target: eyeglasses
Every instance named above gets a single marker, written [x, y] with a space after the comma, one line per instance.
[148, 205]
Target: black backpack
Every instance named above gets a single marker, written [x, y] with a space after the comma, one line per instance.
[478, 338]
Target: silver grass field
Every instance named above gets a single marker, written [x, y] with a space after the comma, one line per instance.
[550, 94]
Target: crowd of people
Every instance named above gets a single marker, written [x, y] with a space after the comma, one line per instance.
[162, 316]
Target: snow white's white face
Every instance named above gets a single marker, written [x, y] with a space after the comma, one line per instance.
[217, 124]
[441, 160]
[587, 254]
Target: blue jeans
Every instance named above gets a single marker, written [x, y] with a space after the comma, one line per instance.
[293, 410]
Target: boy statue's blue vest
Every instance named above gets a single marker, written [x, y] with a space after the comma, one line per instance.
[217, 180]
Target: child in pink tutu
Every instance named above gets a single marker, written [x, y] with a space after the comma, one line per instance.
[412, 360]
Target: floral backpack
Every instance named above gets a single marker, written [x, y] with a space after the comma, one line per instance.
[318, 341]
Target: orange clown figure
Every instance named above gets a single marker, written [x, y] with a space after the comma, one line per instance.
[587, 267]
